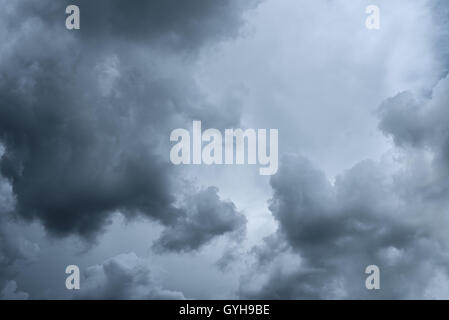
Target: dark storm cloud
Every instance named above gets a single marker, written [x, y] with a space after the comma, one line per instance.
[125, 276]
[85, 123]
[207, 218]
[328, 234]
[71, 156]
[177, 24]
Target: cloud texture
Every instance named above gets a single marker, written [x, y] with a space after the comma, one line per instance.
[85, 121]
[125, 276]
[394, 218]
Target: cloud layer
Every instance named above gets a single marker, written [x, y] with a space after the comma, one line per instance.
[394, 218]
[84, 121]
[125, 276]
[85, 118]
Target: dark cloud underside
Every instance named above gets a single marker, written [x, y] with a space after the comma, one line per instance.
[82, 118]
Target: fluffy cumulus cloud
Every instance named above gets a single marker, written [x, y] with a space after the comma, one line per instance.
[394, 217]
[85, 116]
[418, 122]
[207, 218]
[125, 276]
[392, 212]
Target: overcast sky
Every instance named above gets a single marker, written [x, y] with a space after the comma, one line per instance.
[86, 179]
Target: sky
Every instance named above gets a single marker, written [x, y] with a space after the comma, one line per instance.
[86, 177]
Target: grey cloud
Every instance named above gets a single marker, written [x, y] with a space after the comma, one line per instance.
[170, 23]
[72, 162]
[207, 217]
[328, 234]
[419, 128]
[125, 276]
[401, 116]
[420, 123]
[86, 124]
[230, 256]
[10, 292]
[393, 215]
[15, 249]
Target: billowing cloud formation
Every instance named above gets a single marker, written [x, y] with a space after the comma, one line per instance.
[393, 218]
[207, 218]
[85, 115]
[125, 276]
[329, 234]
[420, 124]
